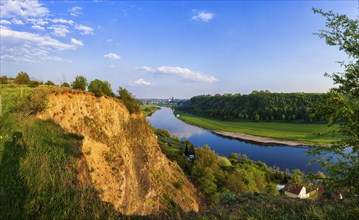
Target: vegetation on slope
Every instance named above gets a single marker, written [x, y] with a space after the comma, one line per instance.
[238, 188]
[343, 102]
[38, 163]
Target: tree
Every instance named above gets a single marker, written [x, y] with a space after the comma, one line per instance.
[80, 83]
[106, 88]
[95, 87]
[22, 78]
[65, 84]
[343, 104]
[49, 83]
[132, 104]
[3, 80]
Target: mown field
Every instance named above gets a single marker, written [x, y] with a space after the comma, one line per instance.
[310, 133]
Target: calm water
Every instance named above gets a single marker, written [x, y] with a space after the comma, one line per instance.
[280, 156]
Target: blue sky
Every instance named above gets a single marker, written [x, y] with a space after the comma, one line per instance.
[162, 49]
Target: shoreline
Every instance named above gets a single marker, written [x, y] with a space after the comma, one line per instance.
[257, 139]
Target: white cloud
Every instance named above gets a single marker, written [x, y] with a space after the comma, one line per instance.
[59, 30]
[22, 8]
[29, 47]
[75, 11]
[17, 21]
[112, 56]
[38, 27]
[63, 21]
[76, 42]
[85, 30]
[140, 82]
[203, 16]
[181, 72]
[37, 21]
[5, 22]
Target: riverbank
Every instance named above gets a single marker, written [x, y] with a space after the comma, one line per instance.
[283, 133]
[148, 110]
[257, 139]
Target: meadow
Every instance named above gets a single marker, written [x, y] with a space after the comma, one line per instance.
[309, 133]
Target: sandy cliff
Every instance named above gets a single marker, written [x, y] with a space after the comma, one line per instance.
[123, 159]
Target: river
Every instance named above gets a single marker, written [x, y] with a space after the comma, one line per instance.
[274, 155]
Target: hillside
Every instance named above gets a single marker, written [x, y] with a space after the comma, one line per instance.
[128, 168]
[117, 155]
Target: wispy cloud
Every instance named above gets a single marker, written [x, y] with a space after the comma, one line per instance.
[85, 30]
[112, 56]
[140, 82]
[75, 11]
[23, 8]
[34, 42]
[38, 27]
[17, 21]
[76, 42]
[59, 30]
[202, 16]
[29, 47]
[181, 72]
[62, 21]
[5, 22]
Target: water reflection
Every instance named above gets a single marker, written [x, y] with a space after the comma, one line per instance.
[274, 155]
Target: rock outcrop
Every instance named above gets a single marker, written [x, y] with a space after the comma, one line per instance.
[123, 159]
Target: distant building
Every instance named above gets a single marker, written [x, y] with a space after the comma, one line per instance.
[296, 191]
[171, 99]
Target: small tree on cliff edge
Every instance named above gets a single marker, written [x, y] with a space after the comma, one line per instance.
[79, 83]
[343, 104]
[98, 88]
[132, 104]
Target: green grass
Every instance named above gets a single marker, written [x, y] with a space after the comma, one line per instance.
[310, 133]
[249, 206]
[148, 110]
[38, 174]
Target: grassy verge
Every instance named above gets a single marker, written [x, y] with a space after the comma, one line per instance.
[300, 132]
[148, 110]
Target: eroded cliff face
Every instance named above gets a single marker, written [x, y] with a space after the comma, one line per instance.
[125, 163]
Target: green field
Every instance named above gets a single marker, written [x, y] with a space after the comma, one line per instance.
[309, 133]
[148, 110]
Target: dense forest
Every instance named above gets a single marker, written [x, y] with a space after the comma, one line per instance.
[258, 105]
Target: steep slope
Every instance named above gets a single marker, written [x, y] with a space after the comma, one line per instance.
[125, 163]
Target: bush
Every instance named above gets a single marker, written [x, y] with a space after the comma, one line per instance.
[132, 104]
[178, 185]
[31, 103]
[22, 78]
[65, 84]
[80, 83]
[98, 88]
[34, 83]
[3, 80]
[49, 83]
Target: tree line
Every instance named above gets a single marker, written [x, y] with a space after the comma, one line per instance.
[258, 106]
[96, 86]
